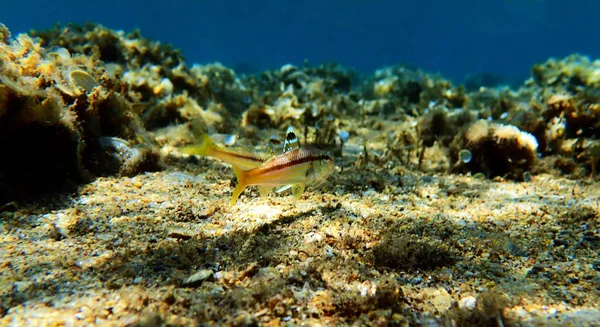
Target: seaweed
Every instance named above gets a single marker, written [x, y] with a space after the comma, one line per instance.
[402, 249]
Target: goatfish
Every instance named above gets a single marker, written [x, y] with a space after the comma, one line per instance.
[298, 167]
[245, 160]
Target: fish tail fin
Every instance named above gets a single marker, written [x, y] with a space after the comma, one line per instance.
[203, 146]
[240, 175]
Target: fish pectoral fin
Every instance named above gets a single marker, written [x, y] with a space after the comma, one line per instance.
[297, 190]
[264, 190]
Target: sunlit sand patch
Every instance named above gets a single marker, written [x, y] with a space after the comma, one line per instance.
[258, 214]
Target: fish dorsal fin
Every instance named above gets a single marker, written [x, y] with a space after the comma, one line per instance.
[291, 141]
[297, 190]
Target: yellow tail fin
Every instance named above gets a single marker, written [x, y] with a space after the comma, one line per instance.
[240, 175]
[203, 147]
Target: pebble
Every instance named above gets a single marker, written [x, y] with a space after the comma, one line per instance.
[62, 224]
[440, 299]
[196, 279]
[467, 303]
[105, 236]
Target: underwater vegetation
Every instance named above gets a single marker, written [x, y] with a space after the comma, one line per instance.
[438, 204]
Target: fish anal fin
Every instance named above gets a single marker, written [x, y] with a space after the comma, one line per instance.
[297, 190]
[264, 190]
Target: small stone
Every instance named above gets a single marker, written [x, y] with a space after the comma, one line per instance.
[479, 176]
[417, 280]
[246, 320]
[440, 299]
[105, 237]
[343, 135]
[467, 303]
[63, 224]
[196, 279]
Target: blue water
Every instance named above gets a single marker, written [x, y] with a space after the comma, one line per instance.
[453, 37]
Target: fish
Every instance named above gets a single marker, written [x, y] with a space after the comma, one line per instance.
[294, 167]
[298, 167]
[242, 159]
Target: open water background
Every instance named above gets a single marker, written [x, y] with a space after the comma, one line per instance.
[453, 37]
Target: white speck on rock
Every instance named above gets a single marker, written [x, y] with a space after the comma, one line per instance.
[467, 303]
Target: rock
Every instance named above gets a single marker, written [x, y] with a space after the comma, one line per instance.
[440, 299]
[196, 279]
[467, 303]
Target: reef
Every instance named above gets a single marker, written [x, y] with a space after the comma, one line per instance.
[451, 205]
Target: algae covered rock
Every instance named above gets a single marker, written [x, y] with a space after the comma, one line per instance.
[410, 88]
[55, 108]
[310, 98]
[111, 46]
[496, 150]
